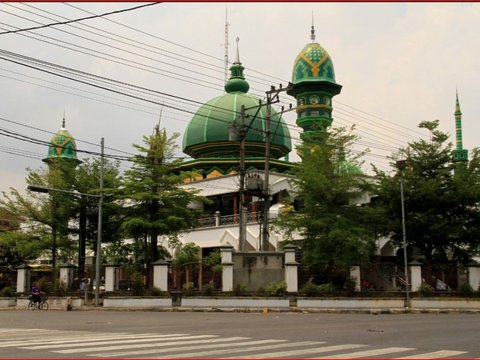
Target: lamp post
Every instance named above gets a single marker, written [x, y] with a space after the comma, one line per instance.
[401, 164]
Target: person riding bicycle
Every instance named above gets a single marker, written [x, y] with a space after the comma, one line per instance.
[36, 294]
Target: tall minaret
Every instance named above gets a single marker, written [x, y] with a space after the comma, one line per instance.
[460, 154]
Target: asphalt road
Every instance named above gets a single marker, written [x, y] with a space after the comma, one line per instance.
[141, 334]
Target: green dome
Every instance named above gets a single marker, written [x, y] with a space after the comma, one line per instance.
[313, 64]
[208, 133]
[62, 146]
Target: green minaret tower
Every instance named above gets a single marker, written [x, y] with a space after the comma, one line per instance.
[62, 147]
[313, 86]
[460, 155]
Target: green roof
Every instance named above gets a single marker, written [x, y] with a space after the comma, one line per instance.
[313, 64]
[62, 146]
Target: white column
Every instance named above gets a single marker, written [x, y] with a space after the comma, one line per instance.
[111, 277]
[355, 276]
[227, 268]
[474, 275]
[66, 275]
[160, 274]
[291, 269]
[23, 279]
[415, 275]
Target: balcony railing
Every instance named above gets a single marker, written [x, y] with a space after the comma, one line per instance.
[218, 220]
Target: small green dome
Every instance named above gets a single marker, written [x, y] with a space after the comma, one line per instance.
[313, 64]
[62, 146]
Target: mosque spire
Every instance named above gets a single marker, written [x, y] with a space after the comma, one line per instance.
[237, 82]
[459, 154]
[312, 31]
[63, 121]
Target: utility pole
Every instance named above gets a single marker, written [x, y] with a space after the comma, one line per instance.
[241, 207]
[271, 95]
[99, 229]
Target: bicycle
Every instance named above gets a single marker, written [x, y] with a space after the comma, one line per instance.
[34, 305]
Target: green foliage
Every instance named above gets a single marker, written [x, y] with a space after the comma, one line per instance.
[276, 289]
[188, 254]
[441, 199]
[213, 259]
[188, 288]
[466, 289]
[154, 291]
[336, 232]
[240, 289]
[425, 290]
[326, 289]
[7, 292]
[138, 284]
[45, 285]
[311, 289]
[207, 289]
[158, 205]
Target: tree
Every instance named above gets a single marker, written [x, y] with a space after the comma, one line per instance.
[441, 199]
[334, 230]
[156, 204]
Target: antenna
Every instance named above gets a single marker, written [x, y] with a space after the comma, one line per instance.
[226, 45]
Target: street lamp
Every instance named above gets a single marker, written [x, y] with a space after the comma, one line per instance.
[401, 164]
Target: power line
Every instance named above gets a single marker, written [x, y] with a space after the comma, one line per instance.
[76, 20]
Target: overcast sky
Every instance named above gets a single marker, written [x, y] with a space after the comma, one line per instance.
[399, 64]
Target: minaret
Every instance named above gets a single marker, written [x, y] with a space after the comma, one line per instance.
[313, 86]
[460, 155]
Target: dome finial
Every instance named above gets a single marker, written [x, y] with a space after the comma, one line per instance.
[237, 55]
[63, 121]
[312, 31]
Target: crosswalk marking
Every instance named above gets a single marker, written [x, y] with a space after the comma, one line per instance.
[161, 346]
[435, 355]
[138, 342]
[217, 345]
[197, 354]
[367, 353]
[72, 338]
[301, 351]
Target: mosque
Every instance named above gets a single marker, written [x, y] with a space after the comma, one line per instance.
[226, 141]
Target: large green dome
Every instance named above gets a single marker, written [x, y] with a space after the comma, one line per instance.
[62, 146]
[208, 133]
[313, 64]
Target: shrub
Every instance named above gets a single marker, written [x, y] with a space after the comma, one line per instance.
[326, 289]
[154, 291]
[7, 292]
[188, 288]
[240, 289]
[465, 289]
[44, 285]
[138, 285]
[207, 289]
[311, 289]
[276, 289]
[425, 290]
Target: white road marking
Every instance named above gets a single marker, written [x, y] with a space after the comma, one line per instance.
[301, 351]
[435, 355]
[217, 345]
[367, 353]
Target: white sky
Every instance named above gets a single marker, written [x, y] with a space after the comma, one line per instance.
[399, 64]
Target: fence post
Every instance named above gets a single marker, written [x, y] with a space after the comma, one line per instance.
[227, 268]
[415, 268]
[355, 275]
[217, 218]
[23, 279]
[291, 269]
[111, 277]
[160, 274]
[474, 275]
[66, 275]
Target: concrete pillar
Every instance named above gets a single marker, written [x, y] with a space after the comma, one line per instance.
[227, 268]
[291, 269]
[474, 275]
[160, 274]
[217, 218]
[355, 276]
[111, 277]
[415, 269]
[23, 279]
[66, 275]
